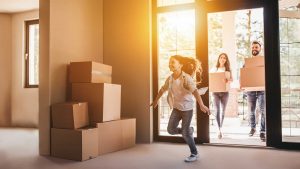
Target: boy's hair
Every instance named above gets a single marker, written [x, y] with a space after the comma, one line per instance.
[256, 42]
[191, 66]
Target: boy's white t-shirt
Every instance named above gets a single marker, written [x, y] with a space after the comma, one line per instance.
[183, 99]
[180, 92]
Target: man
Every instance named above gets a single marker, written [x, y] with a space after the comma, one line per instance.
[259, 96]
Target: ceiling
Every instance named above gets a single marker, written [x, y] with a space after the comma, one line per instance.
[13, 6]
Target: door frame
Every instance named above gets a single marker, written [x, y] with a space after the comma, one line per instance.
[204, 9]
[272, 65]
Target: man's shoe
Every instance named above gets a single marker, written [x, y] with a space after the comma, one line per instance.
[252, 131]
[191, 158]
[262, 137]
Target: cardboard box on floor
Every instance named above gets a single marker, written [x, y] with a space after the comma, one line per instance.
[89, 72]
[256, 61]
[128, 132]
[79, 144]
[104, 100]
[116, 135]
[217, 82]
[253, 78]
[70, 115]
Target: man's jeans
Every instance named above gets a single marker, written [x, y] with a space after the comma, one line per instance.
[185, 130]
[252, 97]
[220, 100]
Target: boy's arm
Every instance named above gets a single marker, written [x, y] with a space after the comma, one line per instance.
[160, 93]
[155, 102]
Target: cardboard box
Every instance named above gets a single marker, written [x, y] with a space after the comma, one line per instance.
[116, 135]
[253, 78]
[79, 144]
[89, 72]
[217, 82]
[71, 115]
[128, 132]
[104, 100]
[110, 136]
[256, 61]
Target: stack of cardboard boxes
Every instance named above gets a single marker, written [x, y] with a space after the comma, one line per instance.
[96, 108]
[253, 74]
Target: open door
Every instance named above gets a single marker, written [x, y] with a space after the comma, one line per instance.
[184, 27]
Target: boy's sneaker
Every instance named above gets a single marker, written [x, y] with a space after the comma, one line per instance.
[191, 158]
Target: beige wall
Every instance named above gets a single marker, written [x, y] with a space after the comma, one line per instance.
[5, 69]
[44, 79]
[24, 101]
[71, 30]
[75, 35]
[127, 48]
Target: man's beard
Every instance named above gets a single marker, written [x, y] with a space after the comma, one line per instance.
[255, 52]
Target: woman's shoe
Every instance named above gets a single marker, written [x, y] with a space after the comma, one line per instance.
[220, 135]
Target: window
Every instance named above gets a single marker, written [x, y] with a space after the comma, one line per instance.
[176, 36]
[32, 54]
[289, 24]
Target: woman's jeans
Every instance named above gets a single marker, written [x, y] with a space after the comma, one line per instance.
[220, 101]
[185, 130]
[252, 97]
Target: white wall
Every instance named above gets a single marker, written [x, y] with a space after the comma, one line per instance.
[127, 47]
[5, 69]
[70, 30]
[24, 101]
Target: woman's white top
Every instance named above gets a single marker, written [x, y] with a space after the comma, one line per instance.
[221, 69]
[215, 69]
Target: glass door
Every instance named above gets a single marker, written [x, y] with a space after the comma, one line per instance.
[174, 34]
[182, 27]
[289, 26]
[230, 34]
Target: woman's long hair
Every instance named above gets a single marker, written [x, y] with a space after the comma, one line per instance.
[227, 63]
[191, 66]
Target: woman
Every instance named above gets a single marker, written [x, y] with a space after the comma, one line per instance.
[221, 98]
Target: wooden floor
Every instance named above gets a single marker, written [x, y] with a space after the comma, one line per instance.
[19, 150]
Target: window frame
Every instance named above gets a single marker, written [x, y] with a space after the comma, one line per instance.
[26, 54]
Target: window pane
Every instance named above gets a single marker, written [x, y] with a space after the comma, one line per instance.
[292, 26]
[33, 54]
[176, 35]
[172, 2]
[290, 70]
